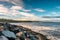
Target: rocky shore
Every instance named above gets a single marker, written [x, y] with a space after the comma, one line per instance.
[24, 33]
[31, 35]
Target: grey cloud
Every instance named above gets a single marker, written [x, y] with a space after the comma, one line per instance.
[15, 2]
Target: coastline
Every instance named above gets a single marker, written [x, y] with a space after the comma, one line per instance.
[43, 37]
[37, 29]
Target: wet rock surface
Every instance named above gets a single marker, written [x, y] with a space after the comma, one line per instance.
[24, 33]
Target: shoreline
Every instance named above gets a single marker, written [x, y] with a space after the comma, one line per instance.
[25, 32]
[43, 37]
[37, 29]
[34, 31]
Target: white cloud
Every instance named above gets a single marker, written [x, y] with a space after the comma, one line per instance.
[27, 18]
[26, 14]
[50, 19]
[40, 10]
[25, 10]
[13, 11]
[6, 11]
[53, 14]
[16, 8]
[58, 7]
[3, 9]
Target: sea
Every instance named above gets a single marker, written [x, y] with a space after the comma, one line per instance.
[50, 29]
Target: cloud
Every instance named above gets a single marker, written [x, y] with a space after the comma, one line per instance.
[16, 2]
[3, 9]
[53, 14]
[12, 13]
[27, 16]
[39, 10]
[58, 7]
[16, 8]
[51, 17]
[19, 8]
[25, 10]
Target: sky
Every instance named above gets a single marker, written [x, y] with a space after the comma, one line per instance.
[35, 10]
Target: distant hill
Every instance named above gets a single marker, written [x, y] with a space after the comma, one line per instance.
[9, 20]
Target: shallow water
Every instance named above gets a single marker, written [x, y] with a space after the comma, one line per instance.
[51, 29]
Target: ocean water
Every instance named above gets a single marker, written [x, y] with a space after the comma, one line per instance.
[49, 29]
